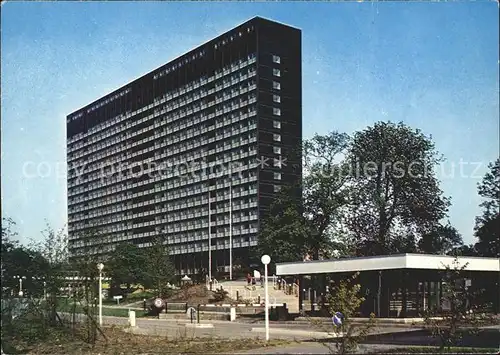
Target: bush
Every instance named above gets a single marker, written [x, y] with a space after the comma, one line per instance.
[345, 297]
[220, 295]
[463, 317]
[139, 296]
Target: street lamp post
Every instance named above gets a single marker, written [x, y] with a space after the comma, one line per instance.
[266, 259]
[21, 293]
[100, 266]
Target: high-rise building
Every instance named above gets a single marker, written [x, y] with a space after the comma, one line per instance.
[210, 136]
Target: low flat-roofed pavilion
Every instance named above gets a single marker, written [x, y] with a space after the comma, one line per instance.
[400, 285]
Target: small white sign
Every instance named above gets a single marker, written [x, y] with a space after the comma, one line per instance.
[117, 297]
[158, 303]
[191, 313]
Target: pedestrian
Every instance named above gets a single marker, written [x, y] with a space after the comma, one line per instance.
[261, 281]
[144, 305]
[249, 279]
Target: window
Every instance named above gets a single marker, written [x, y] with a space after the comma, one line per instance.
[277, 137]
[276, 72]
[276, 85]
[276, 59]
[276, 124]
[277, 176]
[277, 162]
[276, 111]
[276, 98]
[277, 188]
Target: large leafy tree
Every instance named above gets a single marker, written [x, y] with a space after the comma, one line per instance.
[326, 190]
[126, 265]
[159, 270]
[297, 227]
[394, 189]
[487, 228]
[285, 232]
[21, 261]
[441, 240]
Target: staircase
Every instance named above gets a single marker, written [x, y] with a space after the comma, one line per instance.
[279, 293]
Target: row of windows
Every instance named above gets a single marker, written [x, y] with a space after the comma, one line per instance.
[110, 224]
[222, 120]
[193, 186]
[180, 91]
[97, 177]
[178, 113]
[127, 141]
[124, 210]
[89, 200]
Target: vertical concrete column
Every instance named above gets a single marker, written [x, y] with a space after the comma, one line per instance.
[301, 297]
[232, 315]
[131, 318]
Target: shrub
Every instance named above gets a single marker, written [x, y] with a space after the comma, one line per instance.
[345, 297]
[219, 295]
[463, 317]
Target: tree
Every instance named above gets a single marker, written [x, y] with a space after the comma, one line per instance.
[464, 250]
[394, 189]
[489, 238]
[126, 265]
[345, 297]
[325, 191]
[284, 233]
[441, 240]
[487, 229]
[461, 315]
[159, 270]
[295, 226]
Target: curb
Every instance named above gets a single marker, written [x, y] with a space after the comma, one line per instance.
[306, 333]
[234, 305]
[199, 325]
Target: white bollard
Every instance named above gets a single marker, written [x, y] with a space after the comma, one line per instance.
[131, 318]
[232, 314]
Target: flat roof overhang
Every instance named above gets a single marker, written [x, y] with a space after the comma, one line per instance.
[386, 262]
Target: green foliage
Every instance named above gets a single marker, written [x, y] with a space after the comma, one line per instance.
[464, 250]
[394, 189]
[488, 235]
[219, 295]
[159, 271]
[326, 189]
[463, 316]
[487, 228]
[489, 190]
[126, 265]
[380, 199]
[345, 297]
[440, 240]
[297, 226]
[285, 232]
[139, 296]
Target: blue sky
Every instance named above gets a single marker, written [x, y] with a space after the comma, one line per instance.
[431, 65]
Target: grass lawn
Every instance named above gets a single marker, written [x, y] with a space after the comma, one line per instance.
[106, 311]
[435, 350]
[119, 342]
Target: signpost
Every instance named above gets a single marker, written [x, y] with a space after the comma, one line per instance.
[266, 259]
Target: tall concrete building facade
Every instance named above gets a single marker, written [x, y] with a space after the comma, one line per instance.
[194, 151]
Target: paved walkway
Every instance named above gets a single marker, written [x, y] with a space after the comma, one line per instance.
[319, 348]
[225, 329]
